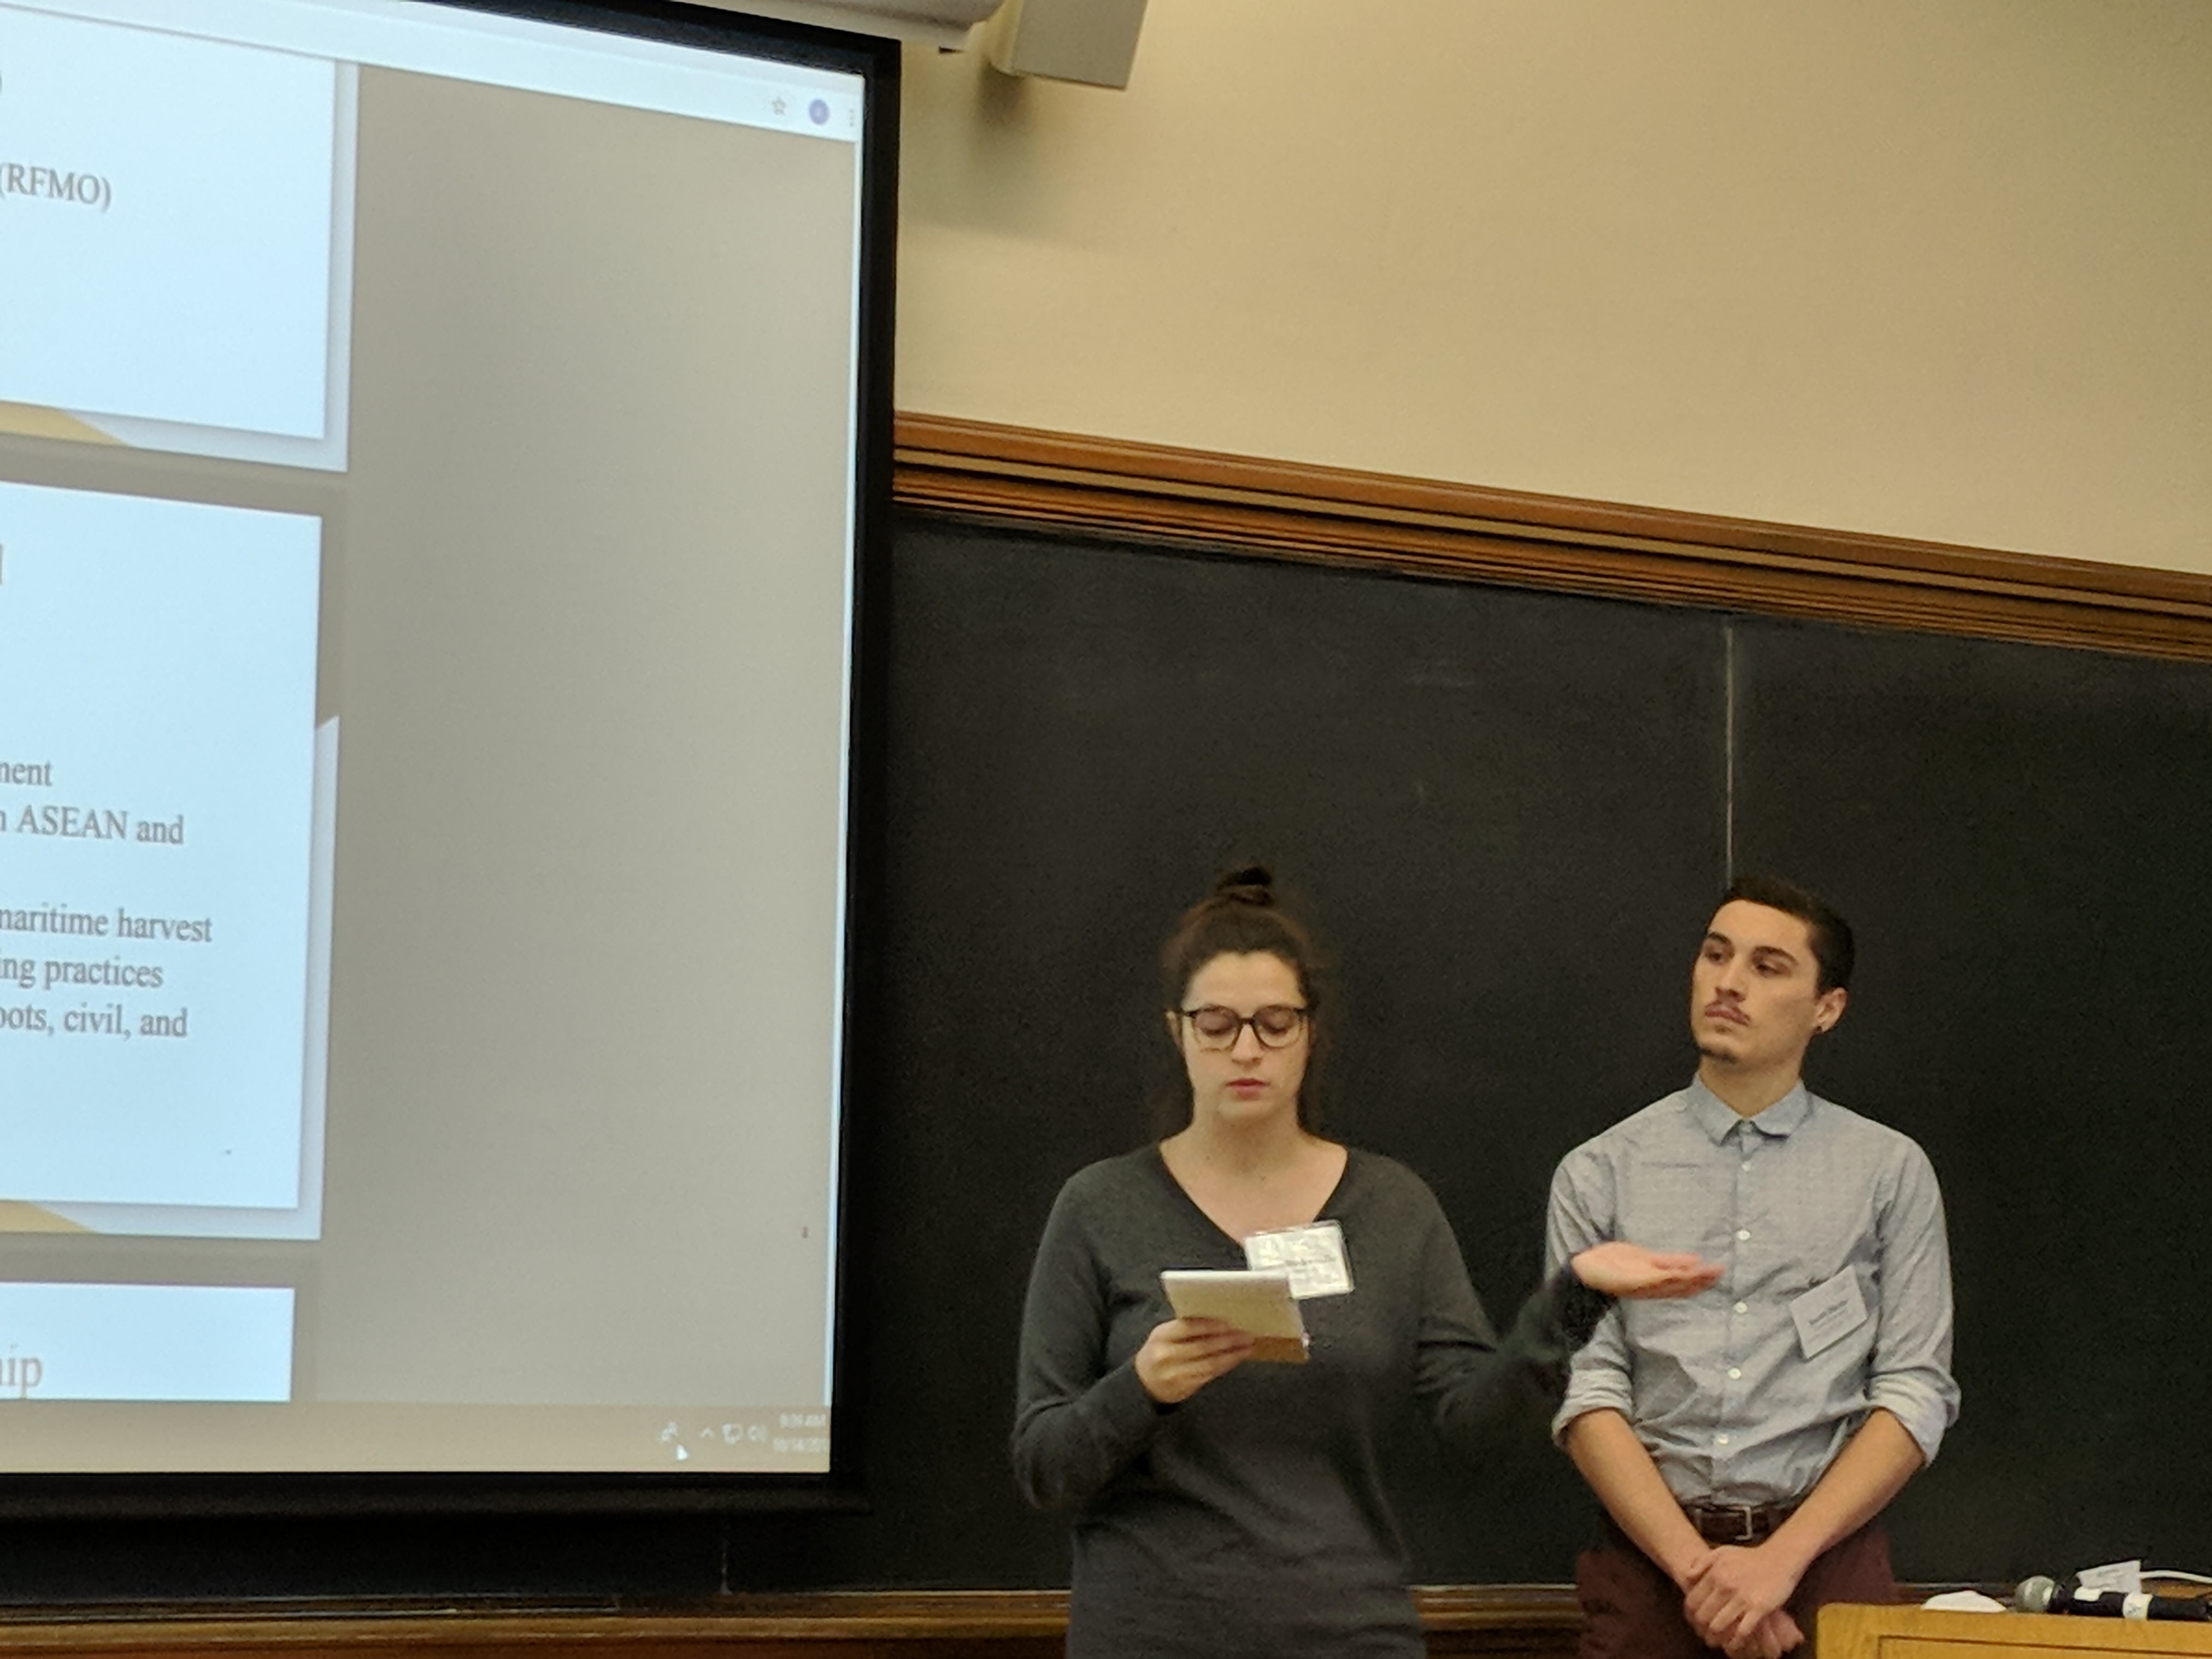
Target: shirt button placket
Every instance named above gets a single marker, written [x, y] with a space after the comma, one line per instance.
[1731, 1353]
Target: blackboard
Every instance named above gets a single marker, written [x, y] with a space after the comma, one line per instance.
[1508, 814]
[2025, 837]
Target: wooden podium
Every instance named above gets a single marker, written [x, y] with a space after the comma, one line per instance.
[1863, 1632]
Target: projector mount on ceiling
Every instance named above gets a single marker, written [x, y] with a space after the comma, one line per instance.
[1092, 41]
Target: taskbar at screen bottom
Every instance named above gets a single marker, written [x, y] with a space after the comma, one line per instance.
[57, 1436]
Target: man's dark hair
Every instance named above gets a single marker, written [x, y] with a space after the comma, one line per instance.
[1831, 935]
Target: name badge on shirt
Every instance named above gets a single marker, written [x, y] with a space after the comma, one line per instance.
[1314, 1256]
[1828, 1313]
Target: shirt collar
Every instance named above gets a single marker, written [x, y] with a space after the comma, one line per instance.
[1717, 1117]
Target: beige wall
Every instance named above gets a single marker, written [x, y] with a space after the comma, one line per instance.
[1931, 268]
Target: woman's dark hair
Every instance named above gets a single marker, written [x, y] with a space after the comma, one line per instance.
[1243, 917]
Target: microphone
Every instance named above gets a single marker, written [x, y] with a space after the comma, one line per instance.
[2043, 1594]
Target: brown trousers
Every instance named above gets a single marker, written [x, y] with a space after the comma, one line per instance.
[1631, 1610]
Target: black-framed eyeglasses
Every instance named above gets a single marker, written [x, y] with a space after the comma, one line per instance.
[1277, 1026]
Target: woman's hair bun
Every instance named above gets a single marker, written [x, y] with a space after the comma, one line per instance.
[1254, 884]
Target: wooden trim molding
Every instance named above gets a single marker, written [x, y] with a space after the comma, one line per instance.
[1529, 1619]
[1017, 475]
[1461, 1618]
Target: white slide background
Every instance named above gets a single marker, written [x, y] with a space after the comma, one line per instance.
[195, 287]
[228, 1342]
[159, 657]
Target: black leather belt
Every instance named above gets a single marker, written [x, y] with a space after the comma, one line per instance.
[1738, 1523]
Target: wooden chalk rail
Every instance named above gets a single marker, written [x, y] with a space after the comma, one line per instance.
[1331, 515]
[854, 1625]
[1494, 1619]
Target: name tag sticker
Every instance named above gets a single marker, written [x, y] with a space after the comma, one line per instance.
[1313, 1256]
[1828, 1313]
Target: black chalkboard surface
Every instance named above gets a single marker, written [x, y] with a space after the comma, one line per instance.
[1508, 815]
[1502, 810]
[2024, 839]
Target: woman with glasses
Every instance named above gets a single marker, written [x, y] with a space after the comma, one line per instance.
[1229, 1506]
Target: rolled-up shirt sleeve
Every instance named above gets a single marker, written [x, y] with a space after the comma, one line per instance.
[1910, 1370]
[1579, 1216]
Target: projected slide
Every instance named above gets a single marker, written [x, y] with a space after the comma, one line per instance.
[212, 1342]
[157, 833]
[174, 218]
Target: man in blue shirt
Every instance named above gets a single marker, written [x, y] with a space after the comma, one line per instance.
[1744, 1441]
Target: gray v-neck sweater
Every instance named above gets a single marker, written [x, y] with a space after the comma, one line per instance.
[1251, 1518]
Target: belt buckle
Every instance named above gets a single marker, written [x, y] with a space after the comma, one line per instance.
[1747, 1514]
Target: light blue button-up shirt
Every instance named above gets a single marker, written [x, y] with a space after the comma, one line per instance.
[1737, 1403]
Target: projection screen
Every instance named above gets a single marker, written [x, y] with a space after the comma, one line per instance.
[433, 500]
